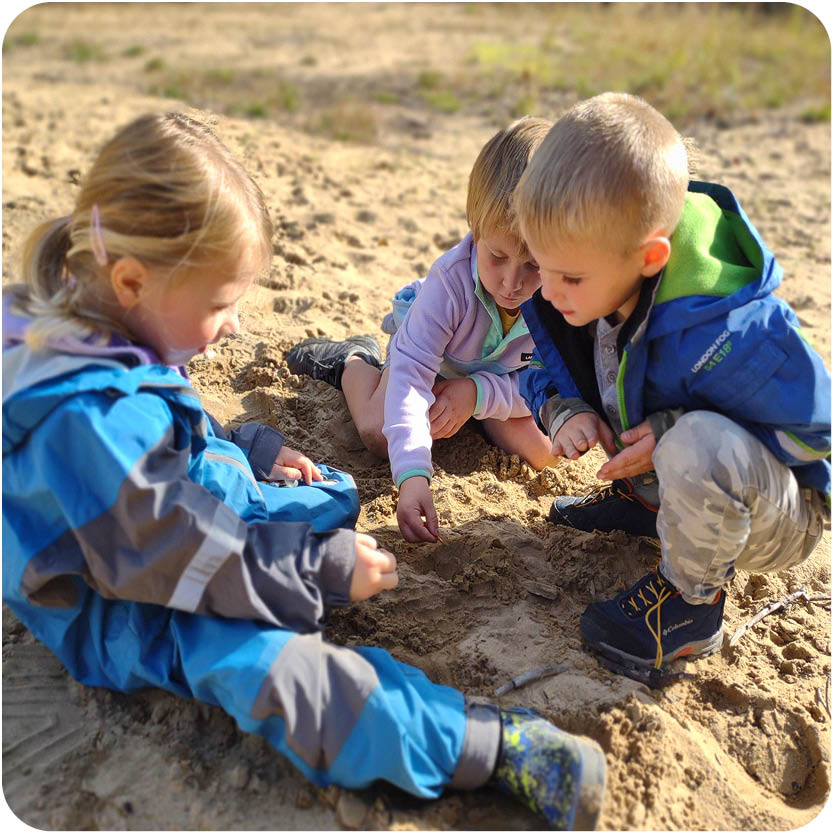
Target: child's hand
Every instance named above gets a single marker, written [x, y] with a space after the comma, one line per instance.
[636, 458]
[415, 503]
[580, 433]
[375, 569]
[292, 465]
[454, 404]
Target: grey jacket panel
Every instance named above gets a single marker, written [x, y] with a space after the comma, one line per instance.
[320, 690]
[169, 541]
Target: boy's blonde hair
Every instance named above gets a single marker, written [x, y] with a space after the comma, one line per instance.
[166, 191]
[612, 171]
[495, 174]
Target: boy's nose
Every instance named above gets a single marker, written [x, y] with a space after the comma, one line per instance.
[513, 278]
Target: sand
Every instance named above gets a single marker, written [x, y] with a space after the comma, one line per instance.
[744, 743]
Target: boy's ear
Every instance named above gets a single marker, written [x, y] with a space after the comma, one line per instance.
[655, 254]
[129, 278]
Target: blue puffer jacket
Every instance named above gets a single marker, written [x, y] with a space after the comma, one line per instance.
[116, 486]
[714, 337]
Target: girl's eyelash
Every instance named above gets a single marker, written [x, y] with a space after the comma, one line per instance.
[573, 281]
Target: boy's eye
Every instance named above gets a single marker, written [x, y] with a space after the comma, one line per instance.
[572, 281]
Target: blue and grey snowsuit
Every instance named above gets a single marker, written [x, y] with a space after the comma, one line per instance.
[140, 546]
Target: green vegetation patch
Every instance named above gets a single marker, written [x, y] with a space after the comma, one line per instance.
[689, 60]
[24, 39]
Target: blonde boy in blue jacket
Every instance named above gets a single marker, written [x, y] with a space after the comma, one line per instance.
[658, 336]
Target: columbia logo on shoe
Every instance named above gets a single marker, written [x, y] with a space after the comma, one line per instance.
[677, 626]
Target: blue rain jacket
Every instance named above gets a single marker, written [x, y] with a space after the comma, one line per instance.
[116, 487]
[713, 338]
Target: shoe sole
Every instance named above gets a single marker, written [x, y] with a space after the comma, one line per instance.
[592, 792]
[693, 650]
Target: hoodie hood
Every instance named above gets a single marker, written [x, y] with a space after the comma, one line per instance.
[35, 383]
[118, 348]
[718, 262]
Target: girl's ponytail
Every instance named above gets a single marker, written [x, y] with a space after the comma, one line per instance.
[44, 258]
[51, 294]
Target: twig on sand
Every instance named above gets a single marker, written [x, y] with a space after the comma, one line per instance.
[531, 677]
[824, 699]
[786, 601]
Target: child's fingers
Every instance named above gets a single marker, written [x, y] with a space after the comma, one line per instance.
[311, 472]
[632, 460]
[607, 438]
[441, 427]
[437, 409]
[569, 447]
[288, 472]
[415, 531]
[386, 561]
[591, 436]
[306, 469]
[387, 581]
[639, 432]
[431, 522]
[427, 530]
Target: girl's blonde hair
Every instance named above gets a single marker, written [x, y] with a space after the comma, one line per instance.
[611, 171]
[495, 174]
[164, 190]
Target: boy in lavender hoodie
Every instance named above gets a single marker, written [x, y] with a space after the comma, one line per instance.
[458, 343]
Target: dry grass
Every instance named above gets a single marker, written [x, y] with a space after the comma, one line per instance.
[691, 60]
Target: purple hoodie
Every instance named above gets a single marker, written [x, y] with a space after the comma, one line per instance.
[117, 348]
[452, 328]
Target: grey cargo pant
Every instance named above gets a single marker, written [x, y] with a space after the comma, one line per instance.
[727, 503]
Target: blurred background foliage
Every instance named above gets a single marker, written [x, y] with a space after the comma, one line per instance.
[492, 61]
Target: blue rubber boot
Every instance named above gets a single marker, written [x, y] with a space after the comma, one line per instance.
[555, 774]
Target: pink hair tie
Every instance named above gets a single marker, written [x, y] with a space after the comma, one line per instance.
[95, 237]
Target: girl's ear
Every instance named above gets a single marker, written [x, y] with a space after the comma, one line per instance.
[656, 252]
[130, 280]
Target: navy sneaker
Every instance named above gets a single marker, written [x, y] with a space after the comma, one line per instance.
[324, 359]
[555, 774]
[651, 625]
[615, 506]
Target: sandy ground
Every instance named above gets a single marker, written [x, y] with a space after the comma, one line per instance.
[742, 744]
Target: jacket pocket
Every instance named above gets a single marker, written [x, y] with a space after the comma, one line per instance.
[736, 372]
